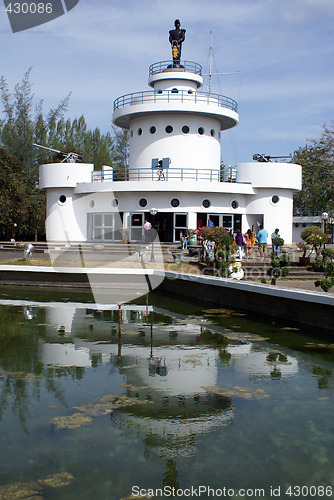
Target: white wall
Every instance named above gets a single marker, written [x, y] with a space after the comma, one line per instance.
[190, 150]
[64, 174]
[66, 221]
[283, 175]
[276, 215]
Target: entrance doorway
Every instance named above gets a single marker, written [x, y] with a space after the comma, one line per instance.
[162, 222]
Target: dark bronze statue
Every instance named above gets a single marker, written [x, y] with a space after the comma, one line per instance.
[176, 37]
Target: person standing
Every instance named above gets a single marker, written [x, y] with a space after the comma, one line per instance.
[239, 239]
[249, 243]
[275, 247]
[183, 241]
[262, 237]
[147, 230]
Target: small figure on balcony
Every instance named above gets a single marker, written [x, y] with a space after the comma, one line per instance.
[176, 37]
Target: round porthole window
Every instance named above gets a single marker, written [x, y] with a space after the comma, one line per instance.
[143, 202]
[296, 225]
[275, 199]
[131, 133]
[212, 132]
[175, 202]
[206, 203]
[62, 198]
[92, 203]
[140, 131]
[185, 129]
[200, 130]
[114, 202]
[153, 129]
[169, 129]
[235, 204]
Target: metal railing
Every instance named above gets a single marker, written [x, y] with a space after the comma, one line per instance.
[302, 212]
[162, 66]
[181, 174]
[175, 95]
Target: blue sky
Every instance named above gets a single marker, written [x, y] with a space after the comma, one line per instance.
[101, 49]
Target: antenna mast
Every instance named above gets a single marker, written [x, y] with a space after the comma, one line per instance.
[210, 67]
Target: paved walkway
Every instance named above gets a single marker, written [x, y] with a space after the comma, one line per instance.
[43, 259]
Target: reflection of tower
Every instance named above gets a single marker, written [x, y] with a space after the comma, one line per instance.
[170, 476]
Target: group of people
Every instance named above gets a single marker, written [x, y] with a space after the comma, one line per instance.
[245, 242]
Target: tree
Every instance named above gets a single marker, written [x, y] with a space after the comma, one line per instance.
[25, 123]
[22, 127]
[14, 199]
[121, 151]
[317, 161]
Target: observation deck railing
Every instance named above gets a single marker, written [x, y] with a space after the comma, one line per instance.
[175, 96]
[229, 174]
[305, 212]
[163, 66]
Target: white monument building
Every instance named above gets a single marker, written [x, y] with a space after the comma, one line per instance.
[174, 178]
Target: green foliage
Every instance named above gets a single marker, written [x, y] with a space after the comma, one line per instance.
[284, 260]
[326, 284]
[14, 200]
[327, 254]
[285, 271]
[310, 232]
[278, 241]
[121, 152]
[314, 236]
[279, 266]
[217, 234]
[317, 161]
[327, 265]
[23, 123]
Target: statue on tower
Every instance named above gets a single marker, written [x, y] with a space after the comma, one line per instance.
[176, 37]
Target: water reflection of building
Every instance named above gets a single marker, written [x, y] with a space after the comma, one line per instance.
[163, 358]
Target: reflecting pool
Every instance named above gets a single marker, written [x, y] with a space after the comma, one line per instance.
[161, 397]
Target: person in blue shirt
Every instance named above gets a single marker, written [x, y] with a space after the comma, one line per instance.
[262, 237]
[210, 223]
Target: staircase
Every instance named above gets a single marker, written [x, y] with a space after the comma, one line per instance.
[255, 271]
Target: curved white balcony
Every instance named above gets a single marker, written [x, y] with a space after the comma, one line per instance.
[136, 104]
[228, 174]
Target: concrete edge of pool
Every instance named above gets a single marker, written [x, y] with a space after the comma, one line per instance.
[300, 306]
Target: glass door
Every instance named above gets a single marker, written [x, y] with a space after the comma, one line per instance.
[180, 224]
[136, 227]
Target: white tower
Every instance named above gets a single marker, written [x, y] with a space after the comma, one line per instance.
[175, 120]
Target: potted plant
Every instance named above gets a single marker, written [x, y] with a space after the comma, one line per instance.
[314, 236]
[125, 235]
[192, 237]
[303, 247]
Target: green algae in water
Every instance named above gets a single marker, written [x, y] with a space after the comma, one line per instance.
[246, 409]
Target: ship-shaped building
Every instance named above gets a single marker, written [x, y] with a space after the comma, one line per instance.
[174, 178]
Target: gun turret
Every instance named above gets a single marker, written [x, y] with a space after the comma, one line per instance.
[68, 157]
[266, 158]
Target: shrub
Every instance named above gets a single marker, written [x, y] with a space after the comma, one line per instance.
[328, 281]
[314, 236]
[278, 241]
